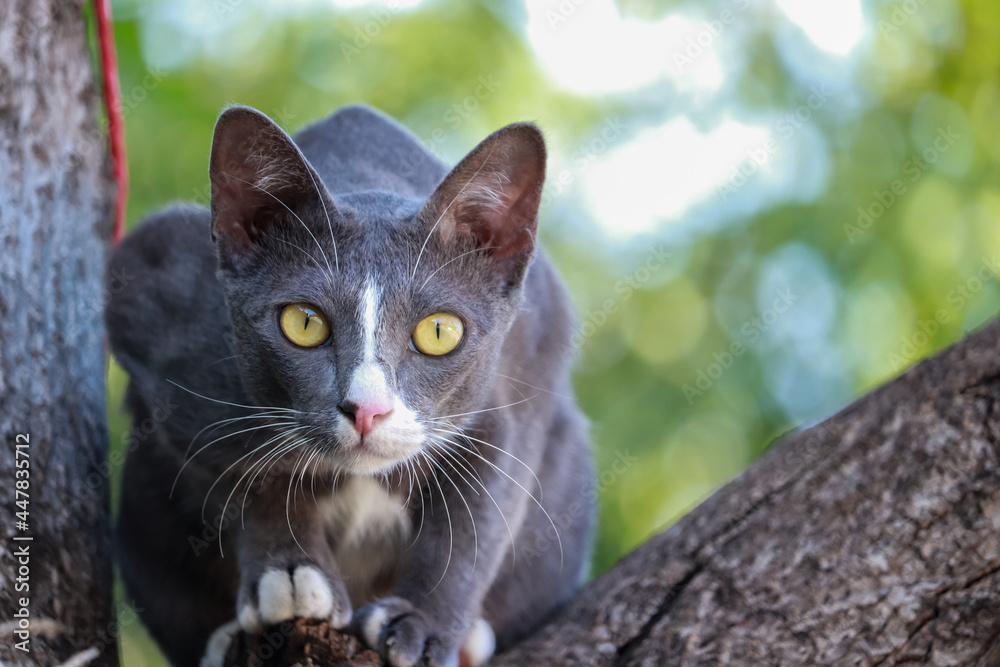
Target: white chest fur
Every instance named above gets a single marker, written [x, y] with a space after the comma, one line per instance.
[369, 530]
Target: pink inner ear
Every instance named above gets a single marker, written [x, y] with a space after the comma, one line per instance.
[498, 211]
[255, 170]
[237, 207]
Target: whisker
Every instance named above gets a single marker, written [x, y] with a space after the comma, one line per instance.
[453, 200]
[214, 426]
[286, 443]
[284, 446]
[258, 466]
[457, 431]
[219, 361]
[237, 405]
[438, 445]
[528, 384]
[229, 497]
[302, 478]
[304, 225]
[304, 454]
[288, 516]
[479, 480]
[263, 414]
[461, 496]
[409, 476]
[233, 465]
[273, 463]
[312, 480]
[417, 468]
[220, 438]
[473, 452]
[451, 532]
[329, 224]
[476, 412]
[469, 252]
[302, 250]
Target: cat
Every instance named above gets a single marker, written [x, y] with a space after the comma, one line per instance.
[372, 420]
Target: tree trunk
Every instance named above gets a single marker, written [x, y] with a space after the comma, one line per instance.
[55, 226]
[870, 539]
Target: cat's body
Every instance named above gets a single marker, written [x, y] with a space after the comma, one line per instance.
[319, 512]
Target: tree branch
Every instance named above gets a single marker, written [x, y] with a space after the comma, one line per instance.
[870, 539]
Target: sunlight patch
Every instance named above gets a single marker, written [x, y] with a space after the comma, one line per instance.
[663, 172]
[588, 47]
[835, 26]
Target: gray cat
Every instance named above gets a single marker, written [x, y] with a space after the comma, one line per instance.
[355, 368]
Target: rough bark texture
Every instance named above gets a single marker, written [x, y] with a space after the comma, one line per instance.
[870, 539]
[300, 644]
[55, 225]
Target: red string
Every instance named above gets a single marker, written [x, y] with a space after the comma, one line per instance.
[113, 107]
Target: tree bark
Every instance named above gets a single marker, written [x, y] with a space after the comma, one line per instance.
[870, 539]
[55, 226]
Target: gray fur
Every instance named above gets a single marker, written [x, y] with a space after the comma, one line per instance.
[354, 206]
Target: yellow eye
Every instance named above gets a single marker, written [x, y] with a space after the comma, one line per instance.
[438, 334]
[304, 325]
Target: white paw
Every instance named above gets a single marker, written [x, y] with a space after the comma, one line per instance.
[218, 645]
[403, 636]
[374, 624]
[280, 597]
[479, 644]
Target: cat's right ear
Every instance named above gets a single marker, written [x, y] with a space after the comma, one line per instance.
[258, 175]
[492, 197]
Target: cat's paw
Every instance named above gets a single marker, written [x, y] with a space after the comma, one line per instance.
[218, 645]
[404, 636]
[479, 645]
[299, 592]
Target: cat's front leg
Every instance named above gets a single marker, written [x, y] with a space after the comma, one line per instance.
[287, 569]
[433, 615]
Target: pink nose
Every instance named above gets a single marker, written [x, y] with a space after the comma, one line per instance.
[363, 416]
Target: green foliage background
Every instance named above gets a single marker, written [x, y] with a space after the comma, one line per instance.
[868, 301]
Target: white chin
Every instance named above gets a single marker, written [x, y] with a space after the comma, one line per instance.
[365, 462]
[386, 447]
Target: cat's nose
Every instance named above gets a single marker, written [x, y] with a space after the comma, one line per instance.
[363, 415]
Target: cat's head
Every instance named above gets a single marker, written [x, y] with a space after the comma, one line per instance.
[377, 318]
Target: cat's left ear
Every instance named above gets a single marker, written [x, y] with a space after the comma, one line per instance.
[492, 197]
[258, 176]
